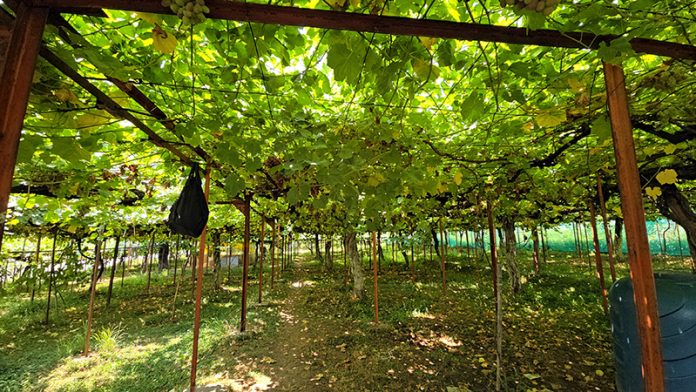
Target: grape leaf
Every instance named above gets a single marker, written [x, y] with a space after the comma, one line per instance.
[668, 176]
[162, 41]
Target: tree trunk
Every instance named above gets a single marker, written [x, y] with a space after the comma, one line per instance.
[618, 239]
[511, 254]
[380, 251]
[675, 206]
[215, 236]
[535, 252]
[327, 253]
[356, 269]
[317, 249]
[436, 243]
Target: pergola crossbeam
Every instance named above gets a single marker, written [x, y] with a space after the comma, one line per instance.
[351, 21]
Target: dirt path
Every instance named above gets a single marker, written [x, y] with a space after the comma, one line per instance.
[303, 354]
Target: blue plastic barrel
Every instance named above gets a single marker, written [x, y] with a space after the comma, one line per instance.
[676, 304]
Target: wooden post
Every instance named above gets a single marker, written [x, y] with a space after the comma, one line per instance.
[442, 258]
[468, 249]
[149, 262]
[92, 295]
[598, 258]
[199, 290]
[642, 277]
[374, 275]
[543, 243]
[113, 271]
[245, 263]
[15, 84]
[50, 274]
[262, 254]
[274, 243]
[176, 256]
[535, 252]
[607, 234]
[494, 252]
[35, 268]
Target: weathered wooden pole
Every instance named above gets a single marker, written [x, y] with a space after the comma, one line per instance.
[543, 244]
[35, 268]
[92, 295]
[199, 291]
[274, 243]
[15, 84]
[645, 298]
[245, 264]
[374, 275]
[607, 234]
[535, 249]
[50, 274]
[442, 258]
[468, 249]
[494, 252]
[113, 271]
[261, 255]
[598, 258]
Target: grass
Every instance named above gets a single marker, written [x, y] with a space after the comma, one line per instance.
[138, 343]
[310, 335]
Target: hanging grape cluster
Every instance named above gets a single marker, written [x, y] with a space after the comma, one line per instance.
[666, 80]
[544, 6]
[191, 12]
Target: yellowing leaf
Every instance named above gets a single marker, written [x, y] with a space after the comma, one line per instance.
[668, 176]
[163, 41]
[653, 192]
[458, 178]
[576, 85]
[428, 42]
[375, 179]
[451, 6]
[149, 18]
[599, 372]
[550, 118]
[669, 149]
[425, 70]
[441, 187]
[355, 3]
[65, 95]
[618, 212]
[93, 119]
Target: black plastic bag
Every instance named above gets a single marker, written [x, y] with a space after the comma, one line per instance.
[189, 213]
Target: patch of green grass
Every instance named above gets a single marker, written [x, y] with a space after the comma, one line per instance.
[138, 343]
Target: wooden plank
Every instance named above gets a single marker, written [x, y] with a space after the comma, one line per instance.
[336, 20]
[636, 233]
[15, 84]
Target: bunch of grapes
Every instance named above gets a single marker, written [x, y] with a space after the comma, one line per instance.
[544, 6]
[190, 11]
[667, 80]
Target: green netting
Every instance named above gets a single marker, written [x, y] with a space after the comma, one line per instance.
[665, 238]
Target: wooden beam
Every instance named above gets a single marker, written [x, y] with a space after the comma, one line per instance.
[15, 84]
[110, 105]
[336, 20]
[645, 298]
